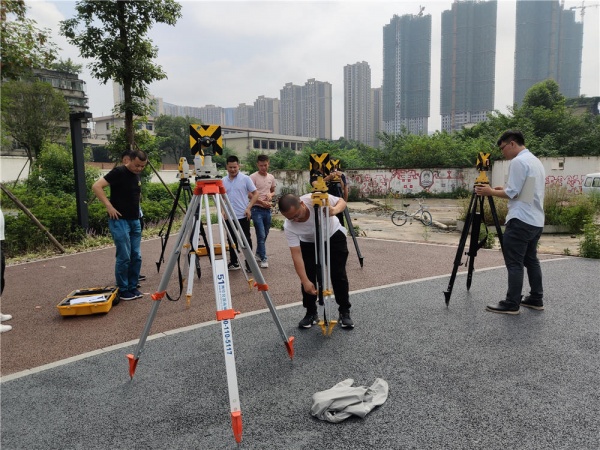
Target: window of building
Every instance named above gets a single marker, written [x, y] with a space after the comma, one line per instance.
[256, 144]
[107, 126]
[264, 144]
[272, 145]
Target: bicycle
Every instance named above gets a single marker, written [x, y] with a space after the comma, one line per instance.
[400, 217]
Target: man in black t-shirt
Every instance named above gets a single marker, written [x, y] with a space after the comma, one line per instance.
[124, 220]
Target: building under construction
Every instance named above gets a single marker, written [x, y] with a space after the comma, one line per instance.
[407, 73]
[468, 63]
[549, 44]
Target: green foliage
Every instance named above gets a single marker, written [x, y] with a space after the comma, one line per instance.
[32, 114]
[68, 66]
[550, 128]
[589, 246]
[117, 143]
[54, 172]
[23, 45]
[114, 36]
[354, 194]
[571, 210]
[57, 211]
[281, 159]
[250, 165]
[173, 136]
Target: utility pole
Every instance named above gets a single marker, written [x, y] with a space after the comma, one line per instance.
[75, 119]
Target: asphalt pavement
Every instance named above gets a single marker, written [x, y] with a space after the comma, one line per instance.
[459, 377]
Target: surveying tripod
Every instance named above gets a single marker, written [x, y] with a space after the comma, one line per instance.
[336, 189]
[320, 200]
[184, 189]
[225, 313]
[475, 217]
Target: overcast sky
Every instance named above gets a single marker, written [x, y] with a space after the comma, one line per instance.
[226, 53]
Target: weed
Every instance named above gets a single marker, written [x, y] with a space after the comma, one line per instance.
[589, 246]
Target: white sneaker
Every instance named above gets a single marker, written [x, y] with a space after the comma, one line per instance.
[4, 328]
[264, 264]
[257, 258]
[5, 317]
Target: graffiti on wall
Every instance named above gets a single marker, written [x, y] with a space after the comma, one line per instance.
[572, 183]
[405, 181]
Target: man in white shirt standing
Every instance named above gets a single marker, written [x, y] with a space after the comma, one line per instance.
[524, 190]
[299, 229]
[261, 211]
[238, 186]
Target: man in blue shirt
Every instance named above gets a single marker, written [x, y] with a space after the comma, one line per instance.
[238, 186]
[524, 190]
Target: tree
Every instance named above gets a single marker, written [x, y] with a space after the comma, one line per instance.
[32, 114]
[23, 45]
[113, 33]
[66, 66]
[549, 126]
[173, 135]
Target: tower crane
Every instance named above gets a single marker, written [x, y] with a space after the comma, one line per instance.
[583, 7]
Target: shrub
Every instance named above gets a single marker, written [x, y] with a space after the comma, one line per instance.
[568, 209]
[589, 246]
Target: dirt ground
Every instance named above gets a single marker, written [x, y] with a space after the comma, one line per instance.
[373, 219]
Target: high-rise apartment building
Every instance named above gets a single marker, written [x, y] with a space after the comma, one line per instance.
[316, 109]
[244, 116]
[266, 114]
[357, 103]
[549, 44]
[406, 73]
[468, 63]
[290, 107]
[376, 115]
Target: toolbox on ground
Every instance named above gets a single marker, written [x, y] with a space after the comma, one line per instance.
[82, 302]
[203, 251]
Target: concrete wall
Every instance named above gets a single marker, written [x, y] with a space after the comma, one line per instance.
[567, 172]
[10, 166]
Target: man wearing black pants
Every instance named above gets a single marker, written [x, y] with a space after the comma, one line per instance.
[299, 229]
[524, 190]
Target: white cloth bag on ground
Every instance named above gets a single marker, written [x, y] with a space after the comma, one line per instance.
[343, 400]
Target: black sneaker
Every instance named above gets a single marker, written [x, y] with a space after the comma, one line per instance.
[142, 278]
[137, 293]
[345, 321]
[127, 295]
[533, 303]
[308, 321]
[233, 266]
[503, 308]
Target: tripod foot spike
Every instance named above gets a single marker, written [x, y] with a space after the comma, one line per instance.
[332, 324]
[447, 297]
[132, 365]
[289, 345]
[236, 425]
[327, 326]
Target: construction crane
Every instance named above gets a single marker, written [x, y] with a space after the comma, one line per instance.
[583, 7]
